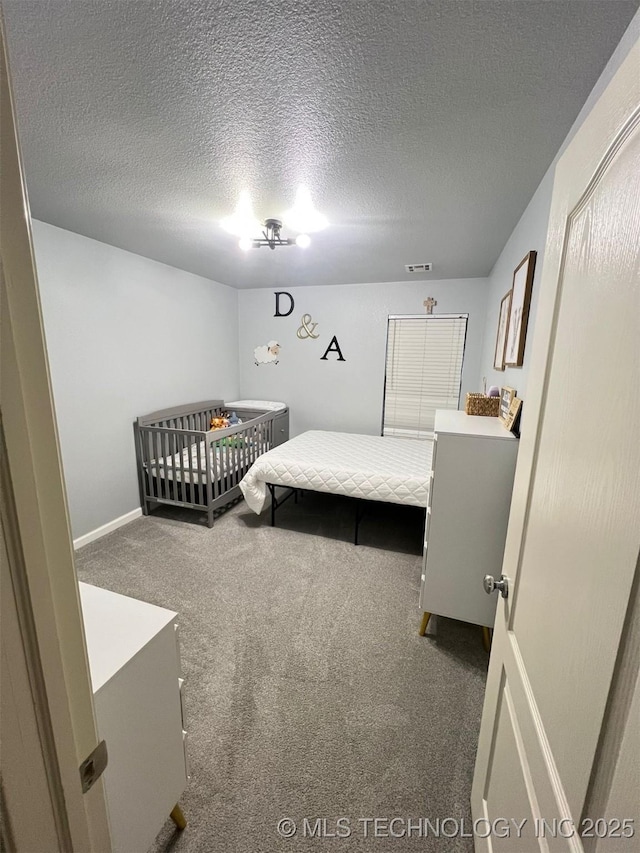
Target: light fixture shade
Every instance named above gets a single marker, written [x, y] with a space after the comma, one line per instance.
[245, 243]
[242, 222]
[303, 241]
[303, 216]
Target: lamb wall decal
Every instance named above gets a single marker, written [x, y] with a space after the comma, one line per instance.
[267, 354]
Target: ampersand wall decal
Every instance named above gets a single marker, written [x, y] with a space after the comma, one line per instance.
[307, 328]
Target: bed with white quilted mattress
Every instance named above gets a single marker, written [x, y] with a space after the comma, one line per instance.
[371, 467]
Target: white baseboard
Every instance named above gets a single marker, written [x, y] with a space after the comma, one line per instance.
[106, 528]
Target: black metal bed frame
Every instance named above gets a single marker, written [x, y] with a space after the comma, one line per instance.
[277, 503]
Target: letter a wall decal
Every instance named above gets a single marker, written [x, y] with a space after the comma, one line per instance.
[334, 346]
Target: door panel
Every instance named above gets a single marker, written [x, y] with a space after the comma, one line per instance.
[508, 785]
[585, 489]
[573, 537]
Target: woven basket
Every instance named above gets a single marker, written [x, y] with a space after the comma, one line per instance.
[478, 404]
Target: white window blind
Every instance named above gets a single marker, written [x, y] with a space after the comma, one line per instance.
[423, 372]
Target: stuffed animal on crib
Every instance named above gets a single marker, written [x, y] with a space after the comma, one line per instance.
[219, 423]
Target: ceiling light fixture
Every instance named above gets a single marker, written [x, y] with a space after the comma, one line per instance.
[302, 217]
[271, 237]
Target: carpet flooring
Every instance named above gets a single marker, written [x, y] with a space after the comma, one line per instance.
[310, 694]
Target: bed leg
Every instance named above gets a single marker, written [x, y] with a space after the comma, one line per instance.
[358, 520]
[209, 518]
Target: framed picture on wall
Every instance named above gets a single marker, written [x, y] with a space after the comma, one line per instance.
[519, 310]
[501, 337]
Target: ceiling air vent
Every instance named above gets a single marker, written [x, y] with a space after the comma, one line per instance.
[418, 267]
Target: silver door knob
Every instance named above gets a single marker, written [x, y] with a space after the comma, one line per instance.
[491, 585]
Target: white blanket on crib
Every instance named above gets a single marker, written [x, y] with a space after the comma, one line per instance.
[377, 468]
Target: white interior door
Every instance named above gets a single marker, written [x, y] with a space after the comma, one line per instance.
[49, 694]
[560, 692]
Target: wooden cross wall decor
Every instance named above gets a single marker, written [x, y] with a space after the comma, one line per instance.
[430, 304]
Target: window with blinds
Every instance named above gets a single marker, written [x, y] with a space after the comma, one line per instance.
[423, 371]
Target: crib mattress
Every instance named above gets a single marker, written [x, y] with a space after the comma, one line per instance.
[377, 468]
[193, 462]
[263, 405]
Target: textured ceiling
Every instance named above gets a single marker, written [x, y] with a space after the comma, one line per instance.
[421, 128]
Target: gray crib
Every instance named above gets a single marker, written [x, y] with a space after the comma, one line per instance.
[182, 462]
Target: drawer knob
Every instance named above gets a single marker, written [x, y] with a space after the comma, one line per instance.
[491, 585]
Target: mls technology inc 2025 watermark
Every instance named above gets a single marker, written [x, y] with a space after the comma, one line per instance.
[450, 827]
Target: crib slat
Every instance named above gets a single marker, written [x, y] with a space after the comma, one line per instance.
[222, 470]
[168, 472]
[192, 477]
[212, 466]
[199, 490]
[235, 456]
[227, 464]
[157, 454]
[241, 452]
[212, 482]
[168, 467]
[179, 483]
[249, 449]
[179, 492]
[189, 461]
[209, 465]
[148, 450]
[184, 468]
[245, 450]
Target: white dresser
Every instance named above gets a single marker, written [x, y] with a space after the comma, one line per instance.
[135, 674]
[474, 460]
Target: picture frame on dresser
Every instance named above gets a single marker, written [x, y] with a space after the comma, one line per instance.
[501, 335]
[513, 414]
[519, 310]
[507, 395]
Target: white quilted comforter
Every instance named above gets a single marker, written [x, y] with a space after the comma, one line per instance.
[376, 468]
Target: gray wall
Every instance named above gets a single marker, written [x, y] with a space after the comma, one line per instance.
[345, 396]
[531, 233]
[125, 336]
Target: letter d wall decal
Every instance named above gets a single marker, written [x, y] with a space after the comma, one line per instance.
[278, 294]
